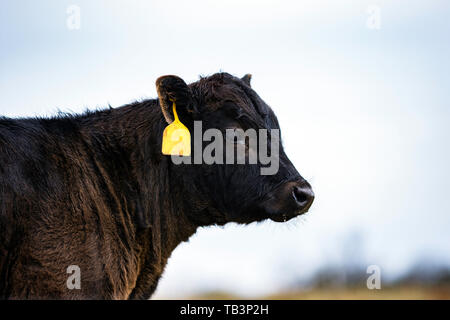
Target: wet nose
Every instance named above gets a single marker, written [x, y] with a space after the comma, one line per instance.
[303, 196]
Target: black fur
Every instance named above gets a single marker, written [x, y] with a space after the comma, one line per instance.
[94, 190]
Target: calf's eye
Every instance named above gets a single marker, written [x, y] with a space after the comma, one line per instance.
[234, 135]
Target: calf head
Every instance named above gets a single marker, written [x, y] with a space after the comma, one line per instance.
[217, 192]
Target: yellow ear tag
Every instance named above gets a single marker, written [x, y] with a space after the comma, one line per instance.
[176, 138]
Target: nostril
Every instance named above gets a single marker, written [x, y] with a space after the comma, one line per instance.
[299, 196]
[302, 196]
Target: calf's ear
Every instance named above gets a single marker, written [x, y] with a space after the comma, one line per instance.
[172, 88]
[247, 79]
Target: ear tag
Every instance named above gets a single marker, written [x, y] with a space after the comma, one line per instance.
[176, 138]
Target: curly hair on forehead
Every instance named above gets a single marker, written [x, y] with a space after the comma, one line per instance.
[213, 91]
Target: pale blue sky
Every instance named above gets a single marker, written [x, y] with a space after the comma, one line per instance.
[364, 115]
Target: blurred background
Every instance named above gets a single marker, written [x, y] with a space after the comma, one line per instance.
[361, 90]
